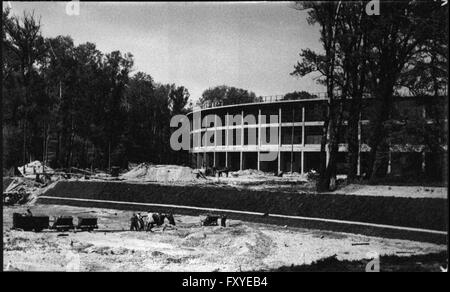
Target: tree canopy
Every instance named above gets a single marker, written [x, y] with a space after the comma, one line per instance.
[226, 95]
[403, 48]
[72, 105]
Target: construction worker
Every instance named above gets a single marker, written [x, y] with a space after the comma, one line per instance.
[140, 221]
[134, 222]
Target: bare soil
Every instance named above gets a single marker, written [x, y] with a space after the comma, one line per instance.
[241, 246]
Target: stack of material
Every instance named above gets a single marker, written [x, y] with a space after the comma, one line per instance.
[19, 191]
[160, 173]
[33, 168]
[254, 175]
[251, 172]
[22, 190]
[23, 185]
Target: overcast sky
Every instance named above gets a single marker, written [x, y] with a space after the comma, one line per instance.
[197, 45]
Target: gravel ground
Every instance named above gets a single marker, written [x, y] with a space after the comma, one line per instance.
[394, 191]
[241, 246]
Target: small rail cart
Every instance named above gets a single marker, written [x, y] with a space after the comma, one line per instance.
[63, 223]
[87, 223]
[29, 222]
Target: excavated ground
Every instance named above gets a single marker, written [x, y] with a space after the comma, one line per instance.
[241, 246]
[416, 212]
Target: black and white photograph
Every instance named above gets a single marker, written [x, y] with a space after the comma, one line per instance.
[254, 137]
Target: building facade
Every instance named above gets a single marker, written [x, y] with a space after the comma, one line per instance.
[229, 137]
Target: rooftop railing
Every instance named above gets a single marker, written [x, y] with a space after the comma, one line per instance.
[261, 99]
[317, 95]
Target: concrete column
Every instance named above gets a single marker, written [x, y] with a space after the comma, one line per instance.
[242, 129]
[358, 167]
[389, 160]
[259, 139]
[200, 139]
[242, 140]
[226, 140]
[215, 140]
[303, 126]
[423, 161]
[240, 160]
[292, 139]
[279, 139]
[302, 169]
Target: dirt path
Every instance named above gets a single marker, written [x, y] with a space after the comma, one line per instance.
[241, 246]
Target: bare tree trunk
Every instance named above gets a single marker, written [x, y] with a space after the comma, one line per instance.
[322, 183]
[379, 131]
[352, 139]
[24, 130]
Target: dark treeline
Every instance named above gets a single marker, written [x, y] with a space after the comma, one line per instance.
[405, 47]
[73, 105]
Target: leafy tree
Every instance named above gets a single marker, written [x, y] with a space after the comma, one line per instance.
[76, 106]
[178, 97]
[325, 14]
[226, 95]
[375, 55]
[299, 95]
[23, 87]
[149, 109]
[352, 55]
[397, 36]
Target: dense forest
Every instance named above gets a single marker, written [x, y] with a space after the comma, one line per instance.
[73, 105]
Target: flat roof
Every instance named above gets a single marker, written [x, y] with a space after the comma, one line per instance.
[256, 103]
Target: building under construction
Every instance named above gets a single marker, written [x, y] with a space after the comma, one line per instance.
[224, 138]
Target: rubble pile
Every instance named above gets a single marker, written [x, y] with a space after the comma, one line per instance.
[36, 167]
[21, 190]
[160, 173]
[250, 172]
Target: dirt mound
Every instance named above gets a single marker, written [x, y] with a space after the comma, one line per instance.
[160, 173]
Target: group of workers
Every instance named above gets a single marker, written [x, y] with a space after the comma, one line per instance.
[147, 222]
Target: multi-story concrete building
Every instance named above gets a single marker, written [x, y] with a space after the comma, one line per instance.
[298, 125]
